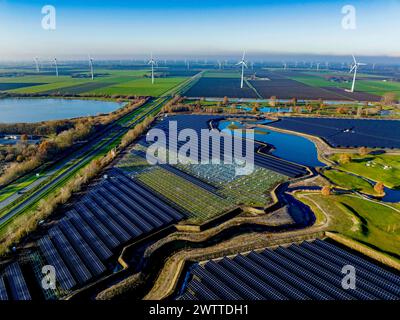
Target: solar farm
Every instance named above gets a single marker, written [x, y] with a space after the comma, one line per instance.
[82, 245]
[306, 271]
[351, 133]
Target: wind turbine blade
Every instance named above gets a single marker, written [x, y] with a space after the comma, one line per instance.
[244, 53]
[353, 68]
[354, 59]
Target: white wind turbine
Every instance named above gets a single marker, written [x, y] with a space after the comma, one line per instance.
[284, 64]
[37, 64]
[152, 62]
[91, 66]
[55, 63]
[318, 64]
[243, 64]
[354, 68]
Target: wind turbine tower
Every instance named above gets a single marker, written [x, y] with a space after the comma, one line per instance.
[37, 64]
[354, 69]
[91, 67]
[55, 63]
[152, 62]
[243, 64]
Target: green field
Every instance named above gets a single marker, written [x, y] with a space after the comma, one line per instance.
[367, 222]
[348, 181]
[383, 168]
[376, 87]
[111, 82]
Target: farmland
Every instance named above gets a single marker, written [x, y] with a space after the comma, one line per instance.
[107, 82]
[366, 84]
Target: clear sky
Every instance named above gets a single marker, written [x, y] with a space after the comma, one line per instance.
[121, 28]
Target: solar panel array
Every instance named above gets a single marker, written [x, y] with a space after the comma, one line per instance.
[114, 212]
[12, 284]
[347, 132]
[197, 123]
[309, 271]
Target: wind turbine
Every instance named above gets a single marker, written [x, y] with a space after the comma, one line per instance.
[284, 65]
[152, 62]
[91, 66]
[318, 64]
[55, 63]
[354, 68]
[219, 64]
[243, 64]
[37, 64]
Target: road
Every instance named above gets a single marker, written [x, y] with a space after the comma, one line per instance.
[98, 146]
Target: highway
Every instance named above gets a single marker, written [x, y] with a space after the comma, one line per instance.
[98, 146]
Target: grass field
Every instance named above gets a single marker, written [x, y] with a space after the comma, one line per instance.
[111, 82]
[384, 168]
[348, 181]
[370, 223]
[376, 87]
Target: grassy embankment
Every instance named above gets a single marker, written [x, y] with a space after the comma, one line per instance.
[374, 224]
[384, 168]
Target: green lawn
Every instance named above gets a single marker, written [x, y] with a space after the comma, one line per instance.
[370, 223]
[384, 168]
[349, 181]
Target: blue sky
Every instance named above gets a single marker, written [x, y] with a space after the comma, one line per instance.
[118, 28]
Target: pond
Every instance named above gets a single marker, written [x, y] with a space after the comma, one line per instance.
[286, 146]
[30, 110]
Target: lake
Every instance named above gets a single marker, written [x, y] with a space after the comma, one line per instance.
[286, 146]
[14, 110]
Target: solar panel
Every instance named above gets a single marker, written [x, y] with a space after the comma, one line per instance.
[232, 281]
[69, 255]
[336, 270]
[81, 247]
[266, 276]
[149, 196]
[221, 288]
[134, 214]
[143, 213]
[108, 221]
[143, 202]
[16, 281]
[289, 277]
[133, 230]
[104, 233]
[202, 291]
[266, 290]
[63, 275]
[90, 236]
[3, 290]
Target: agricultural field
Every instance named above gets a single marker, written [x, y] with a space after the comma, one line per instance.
[384, 168]
[373, 223]
[106, 82]
[371, 85]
